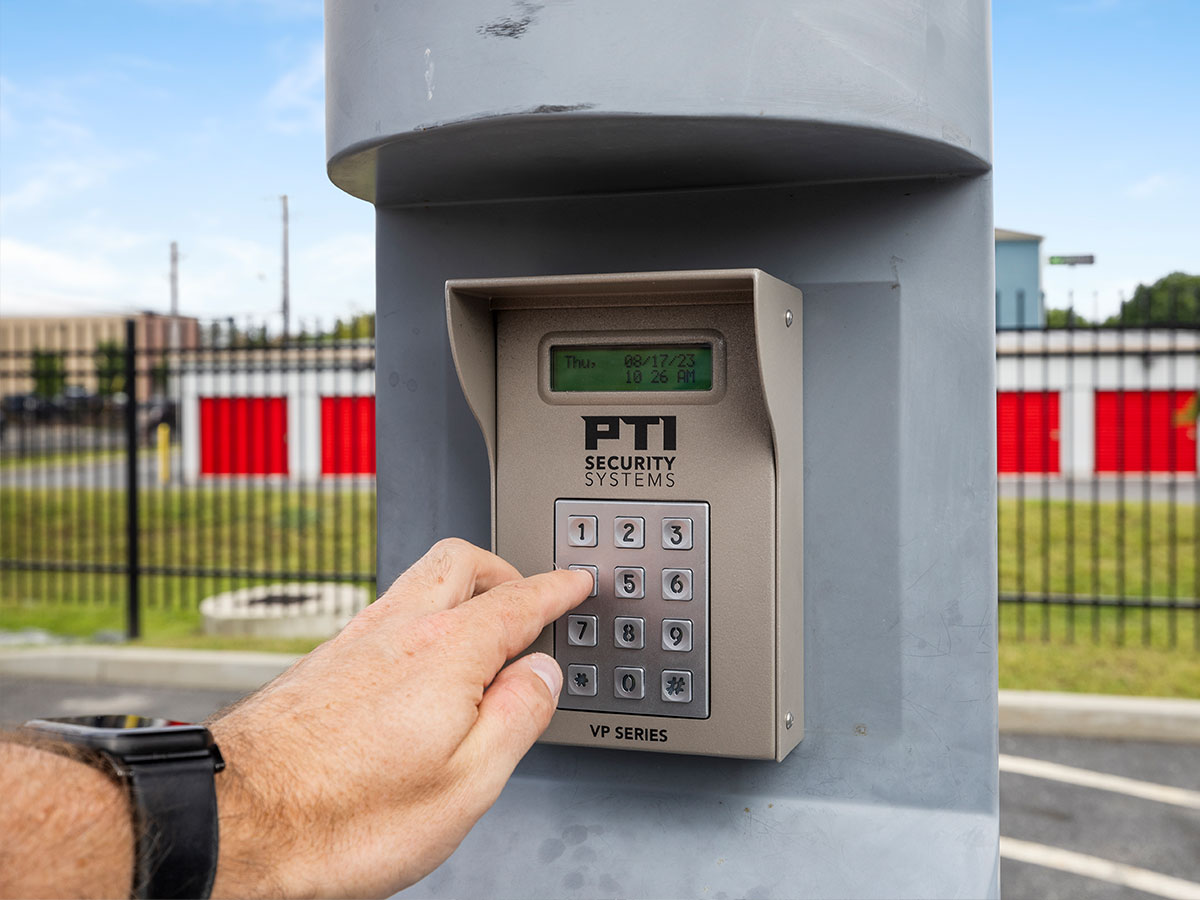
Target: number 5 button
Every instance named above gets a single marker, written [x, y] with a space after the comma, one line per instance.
[677, 635]
[630, 583]
[677, 584]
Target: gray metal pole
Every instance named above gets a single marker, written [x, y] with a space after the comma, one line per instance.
[844, 148]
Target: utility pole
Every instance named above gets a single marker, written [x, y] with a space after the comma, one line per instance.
[174, 278]
[285, 267]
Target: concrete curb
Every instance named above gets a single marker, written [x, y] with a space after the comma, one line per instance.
[216, 670]
[1100, 716]
[1021, 712]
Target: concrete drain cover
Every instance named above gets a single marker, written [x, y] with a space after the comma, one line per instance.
[283, 610]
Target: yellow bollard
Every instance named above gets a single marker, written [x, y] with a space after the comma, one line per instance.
[164, 452]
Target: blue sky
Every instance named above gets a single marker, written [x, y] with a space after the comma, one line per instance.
[126, 124]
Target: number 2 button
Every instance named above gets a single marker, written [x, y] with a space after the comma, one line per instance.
[581, 631]
[629, 531]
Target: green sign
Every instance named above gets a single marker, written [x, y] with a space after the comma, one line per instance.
[1072, 260]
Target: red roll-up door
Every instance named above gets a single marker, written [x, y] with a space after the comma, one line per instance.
[243, 436]
[348, 435]
[1027, 435]
[1145, 431]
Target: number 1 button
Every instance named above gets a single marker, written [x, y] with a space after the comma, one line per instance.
[677, 534]
[581, 531]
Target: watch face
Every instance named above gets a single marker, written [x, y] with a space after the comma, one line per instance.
[133, 737]
[119, 722]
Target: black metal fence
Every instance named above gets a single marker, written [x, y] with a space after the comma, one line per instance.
[1099, 502]
[147, 464]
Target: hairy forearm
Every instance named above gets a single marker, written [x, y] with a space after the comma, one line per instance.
[65, 827]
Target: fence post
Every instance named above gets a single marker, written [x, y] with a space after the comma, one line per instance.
[133, 627]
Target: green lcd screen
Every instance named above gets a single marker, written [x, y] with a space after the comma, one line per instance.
[657, 367]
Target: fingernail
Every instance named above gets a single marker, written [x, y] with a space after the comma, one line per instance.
[547, 669]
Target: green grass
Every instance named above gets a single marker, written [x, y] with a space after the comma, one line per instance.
[1053, 647]
[1060, 648]
[1117, 565]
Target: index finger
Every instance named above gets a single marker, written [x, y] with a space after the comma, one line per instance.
[499, 624]
[452, 571]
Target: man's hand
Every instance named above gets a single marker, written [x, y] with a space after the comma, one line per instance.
[361, 768]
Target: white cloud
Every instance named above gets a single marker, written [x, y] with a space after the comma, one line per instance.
[37, 281]
[296, 102]
[1148, 186]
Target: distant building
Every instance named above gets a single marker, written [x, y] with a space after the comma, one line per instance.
[1019, 300]
[78, 338]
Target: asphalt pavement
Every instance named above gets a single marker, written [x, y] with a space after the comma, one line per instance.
[1136, 819]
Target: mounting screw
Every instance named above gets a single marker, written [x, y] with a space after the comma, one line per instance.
[789, 720]
[787, 320]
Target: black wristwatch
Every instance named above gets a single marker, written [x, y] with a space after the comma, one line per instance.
[169, 768]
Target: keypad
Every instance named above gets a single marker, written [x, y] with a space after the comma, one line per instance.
[639, 644]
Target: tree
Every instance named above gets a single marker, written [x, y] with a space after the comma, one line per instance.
[1065, 318]
[110, 368]
[1172, 300]
[49, 373]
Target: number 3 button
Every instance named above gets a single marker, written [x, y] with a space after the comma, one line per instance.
[677, 584]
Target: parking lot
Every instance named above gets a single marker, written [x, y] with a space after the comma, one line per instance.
[1078, 818]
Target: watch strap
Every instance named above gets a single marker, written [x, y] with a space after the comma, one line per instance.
[175, 803]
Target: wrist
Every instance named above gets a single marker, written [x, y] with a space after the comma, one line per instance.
[255, 834]
[69, 810]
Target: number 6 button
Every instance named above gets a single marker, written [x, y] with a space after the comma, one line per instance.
[677, 584]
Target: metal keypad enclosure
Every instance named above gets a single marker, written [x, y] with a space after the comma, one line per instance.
[623, 454]
[671, 682]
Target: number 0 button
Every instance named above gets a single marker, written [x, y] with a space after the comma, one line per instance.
[677, 534]
[581, 631]
[677, 584]
[629, 683]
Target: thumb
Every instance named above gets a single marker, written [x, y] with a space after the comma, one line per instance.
[514, 711]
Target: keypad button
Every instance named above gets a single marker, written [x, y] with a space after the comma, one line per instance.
[581, 631]
[594, 572]
[629, 632]
[677, 635]
[581, 531]
[629, 532]
[629, 583]
[677, 686]
[629, 683]
[677, 534]
[677, 584]
[581, 680]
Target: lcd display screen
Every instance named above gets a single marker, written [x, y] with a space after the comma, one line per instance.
[659, 367]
